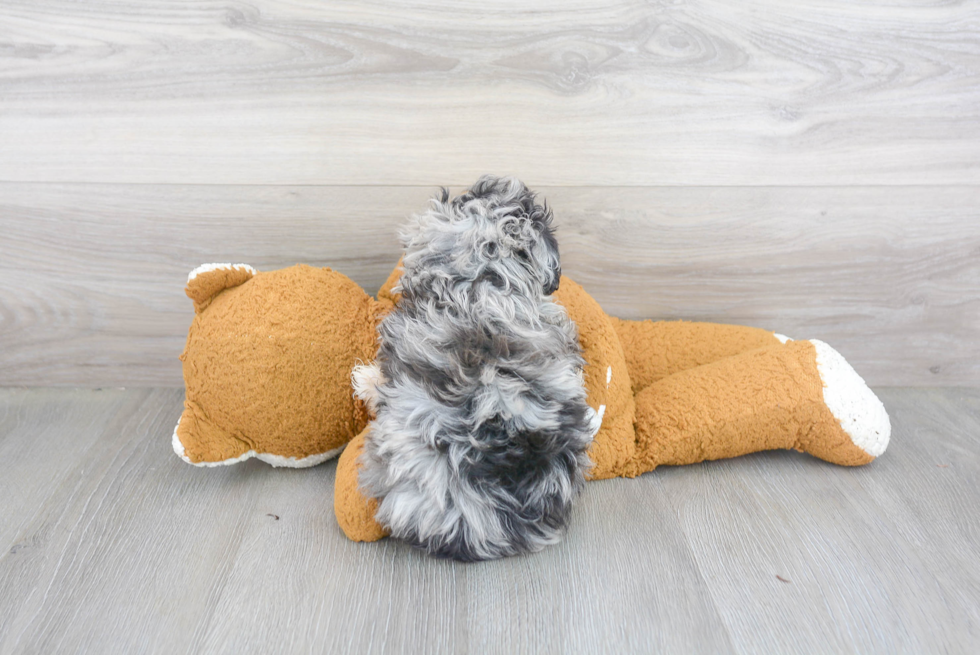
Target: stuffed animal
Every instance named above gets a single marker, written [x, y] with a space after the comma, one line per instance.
[269, 356]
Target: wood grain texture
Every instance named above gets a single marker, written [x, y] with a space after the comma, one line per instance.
[561, 93]
[886, 556]
[92, 276]
[128, 549]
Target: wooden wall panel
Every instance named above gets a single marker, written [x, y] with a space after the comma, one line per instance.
[91, 276]
[563, 92]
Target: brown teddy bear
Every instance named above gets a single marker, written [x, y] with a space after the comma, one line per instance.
[269, 356]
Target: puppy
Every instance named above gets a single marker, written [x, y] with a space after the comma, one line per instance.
[479, 441]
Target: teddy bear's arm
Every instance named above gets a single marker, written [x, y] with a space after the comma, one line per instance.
[657, 349]
[205, 282]
[355, 512]
[386, 298]
[801, 395]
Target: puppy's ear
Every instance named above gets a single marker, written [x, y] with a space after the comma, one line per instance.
[551, 249]
[555, 280]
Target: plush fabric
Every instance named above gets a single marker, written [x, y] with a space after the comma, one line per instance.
[355, 513]
[267, 364]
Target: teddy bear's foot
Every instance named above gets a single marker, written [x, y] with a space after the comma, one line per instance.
[857, 409]
[800, 395]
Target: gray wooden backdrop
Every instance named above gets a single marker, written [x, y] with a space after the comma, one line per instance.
[812, 167]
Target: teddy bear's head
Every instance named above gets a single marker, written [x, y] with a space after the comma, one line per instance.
[267, 365]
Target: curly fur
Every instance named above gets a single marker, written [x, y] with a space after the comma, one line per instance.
[479, 442]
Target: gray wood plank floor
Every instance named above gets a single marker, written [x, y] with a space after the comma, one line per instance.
[110, 544]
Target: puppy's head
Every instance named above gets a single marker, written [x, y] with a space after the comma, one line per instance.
[494, 236]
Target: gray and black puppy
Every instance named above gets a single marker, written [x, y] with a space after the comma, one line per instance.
[478, 445]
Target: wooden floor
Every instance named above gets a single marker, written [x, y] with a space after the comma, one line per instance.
[110, 544]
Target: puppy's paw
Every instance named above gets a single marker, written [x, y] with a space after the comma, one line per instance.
[595, 419]
[365, 379]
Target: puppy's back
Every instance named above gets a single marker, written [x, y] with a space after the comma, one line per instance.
[479, 444]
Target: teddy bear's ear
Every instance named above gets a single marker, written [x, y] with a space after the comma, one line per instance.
[205, 282]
